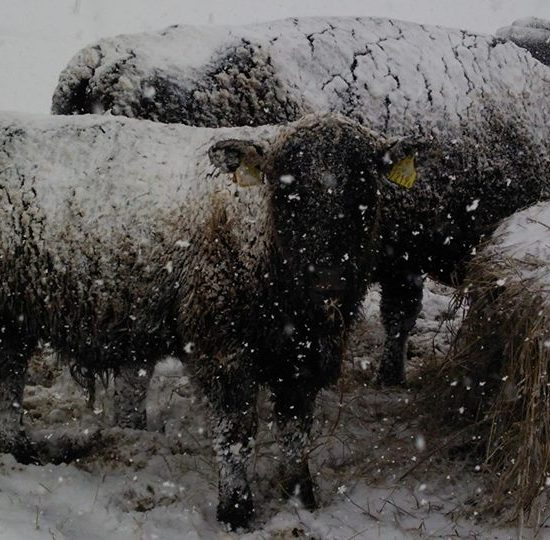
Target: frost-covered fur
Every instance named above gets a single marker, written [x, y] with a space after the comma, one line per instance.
[391, 75]
[396, 77]
[120, 244]
[532, 34]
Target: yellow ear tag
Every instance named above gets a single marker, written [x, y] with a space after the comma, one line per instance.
[247, 175]
[403, 173]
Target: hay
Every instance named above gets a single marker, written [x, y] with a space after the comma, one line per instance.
[496, 378]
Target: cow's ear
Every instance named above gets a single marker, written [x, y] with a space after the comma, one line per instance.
[243, 159]
[398, 160]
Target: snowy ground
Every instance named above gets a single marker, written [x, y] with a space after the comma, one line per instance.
[378, 469]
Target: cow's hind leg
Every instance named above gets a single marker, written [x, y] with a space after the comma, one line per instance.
[294, 415]
[13, 368]
[131, 385]
[401, 303]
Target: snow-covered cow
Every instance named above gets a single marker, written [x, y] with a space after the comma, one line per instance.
[122, 241]
[532, 34]
[488, 99]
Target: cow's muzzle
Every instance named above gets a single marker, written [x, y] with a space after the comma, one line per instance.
[326, 284]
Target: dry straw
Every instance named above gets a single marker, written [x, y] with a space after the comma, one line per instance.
[494, 386]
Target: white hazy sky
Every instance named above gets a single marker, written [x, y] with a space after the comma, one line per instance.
[38, 37]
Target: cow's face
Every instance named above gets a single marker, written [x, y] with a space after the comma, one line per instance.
[324, 178]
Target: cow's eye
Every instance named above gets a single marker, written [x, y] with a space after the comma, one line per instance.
[328, 180]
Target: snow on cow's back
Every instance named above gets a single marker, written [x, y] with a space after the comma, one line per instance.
[102, 158]
[394, 73]
[115, 172]
[397, 75]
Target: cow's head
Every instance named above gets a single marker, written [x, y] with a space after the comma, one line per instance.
[324, 174]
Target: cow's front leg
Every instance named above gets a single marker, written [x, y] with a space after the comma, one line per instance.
[294, 404]
[131, 385]
[13, 368]
[234, 433]
[401, 303]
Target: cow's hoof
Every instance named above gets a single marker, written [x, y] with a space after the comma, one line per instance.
[301, 488]
[236, 510]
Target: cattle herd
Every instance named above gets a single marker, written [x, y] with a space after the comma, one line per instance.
[266, 175]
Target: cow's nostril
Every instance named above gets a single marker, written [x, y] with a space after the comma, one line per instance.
[328, 280]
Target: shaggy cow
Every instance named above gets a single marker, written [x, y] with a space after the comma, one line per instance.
[119, 244]
[532, 34]
[395, 77]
